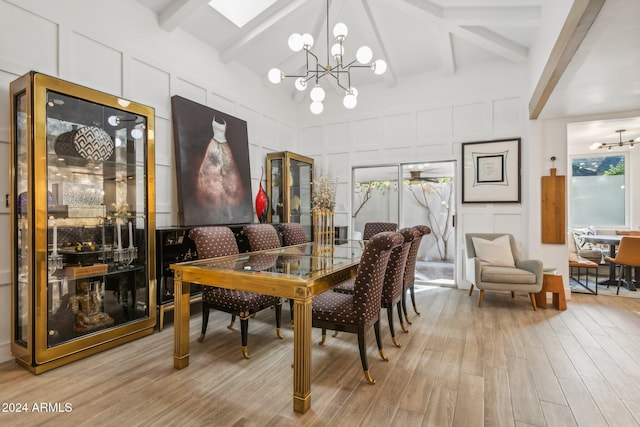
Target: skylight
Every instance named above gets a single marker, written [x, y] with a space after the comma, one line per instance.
[240, 12]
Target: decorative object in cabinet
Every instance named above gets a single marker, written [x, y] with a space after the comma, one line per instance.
[83, 221]
[289, 188]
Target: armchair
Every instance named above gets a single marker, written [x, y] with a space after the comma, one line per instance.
[493, 263]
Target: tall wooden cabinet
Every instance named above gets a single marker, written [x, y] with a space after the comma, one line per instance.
[289, 189]
[82, 221]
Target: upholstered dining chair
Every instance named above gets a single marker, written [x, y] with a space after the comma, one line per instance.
[410, 270]
[493, 263]
[292, 233]
[393, 284]
[627, 256]
[261, 236]
[373, 228]
[220, 241]
[357, 312]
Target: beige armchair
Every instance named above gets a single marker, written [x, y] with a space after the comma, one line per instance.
[496, 265]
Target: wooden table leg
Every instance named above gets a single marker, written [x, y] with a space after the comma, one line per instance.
[181, 322]
[302, 355]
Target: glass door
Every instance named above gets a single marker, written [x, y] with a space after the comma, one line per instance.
[428, 198]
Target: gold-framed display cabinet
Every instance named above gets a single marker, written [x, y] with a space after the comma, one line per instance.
[289, 189]
[82, 221]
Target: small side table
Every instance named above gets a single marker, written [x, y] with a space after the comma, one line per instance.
[552, 283]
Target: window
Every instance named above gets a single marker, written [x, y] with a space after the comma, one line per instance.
[598, 191]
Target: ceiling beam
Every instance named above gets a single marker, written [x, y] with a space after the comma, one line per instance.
[177, 11]
[579, 20]
[445, 49]
[390, 75]
[257, 27]
[504, 16]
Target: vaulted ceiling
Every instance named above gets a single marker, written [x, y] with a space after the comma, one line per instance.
[430, 36]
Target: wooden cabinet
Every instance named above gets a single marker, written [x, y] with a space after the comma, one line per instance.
[289, 189]
[82, 221]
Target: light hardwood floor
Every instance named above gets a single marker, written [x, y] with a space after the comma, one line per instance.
[460, 365]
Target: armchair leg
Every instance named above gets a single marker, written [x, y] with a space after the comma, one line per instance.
[471, 289]
[481, 297]
[533, 301]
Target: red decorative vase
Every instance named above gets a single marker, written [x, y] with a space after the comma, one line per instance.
[261, 202]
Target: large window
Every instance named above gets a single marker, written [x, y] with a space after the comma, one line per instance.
[598, 191]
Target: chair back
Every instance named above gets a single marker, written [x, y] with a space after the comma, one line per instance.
[412, 258]
[261, 236]
[629, 251]
[214, 241]
[394, 275]
[292, 233]
[367, 291]
[471, 252]
[373, 228]
[627, 233]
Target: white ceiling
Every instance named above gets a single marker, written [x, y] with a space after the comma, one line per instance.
[434, 36]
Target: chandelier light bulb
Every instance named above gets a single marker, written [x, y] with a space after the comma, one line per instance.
[340, 31]
[136, 133]
[354, 91]
[307, 41]
[364, 55]
[113, 120]
[300, 84]
[337, 50]
[632, 144]
[295, 42]
[350, 100]
[379, 66]
[317, 94]
[316, 107]
[275, 76]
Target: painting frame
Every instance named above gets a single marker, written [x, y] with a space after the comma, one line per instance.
[213, 170]
[491, 171]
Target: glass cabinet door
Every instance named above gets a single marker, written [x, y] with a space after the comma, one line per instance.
[83, 164]
[289, 189]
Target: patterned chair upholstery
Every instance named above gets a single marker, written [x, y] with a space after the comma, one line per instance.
[357, 312]
[220, 241]
[410, 270]
[393, 280]
[373, 228]
[261, 236]
[292, 233]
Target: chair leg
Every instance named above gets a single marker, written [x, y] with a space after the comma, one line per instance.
[413, 300]
[376, 329]
[471, 289]
[324, 336]
[205, 320]
[404, 328]
[481, 297]
[278, 319]
[362, 346]
[244, 332]
[391, 328]
[404, 305]
[619, 280]
[291, 309]
[513, 294]
[532, 296]
[233, 320]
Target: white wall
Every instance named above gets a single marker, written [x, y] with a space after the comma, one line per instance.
[426, 119]
[116, 46]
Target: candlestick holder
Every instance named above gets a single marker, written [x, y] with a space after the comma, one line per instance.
[125, 256]
[54, 262]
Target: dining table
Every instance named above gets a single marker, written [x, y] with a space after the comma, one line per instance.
[297, 272]
[613, 240]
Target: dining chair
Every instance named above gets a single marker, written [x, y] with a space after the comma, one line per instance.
[393, 284]
[373, 228]
[357, 312]
[220, 241]
[292, 233]
[627, 256]
[410, 271]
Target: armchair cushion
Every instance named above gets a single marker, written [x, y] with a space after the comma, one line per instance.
[494, 252]
[501, 274]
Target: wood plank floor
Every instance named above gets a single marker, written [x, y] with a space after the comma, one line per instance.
[460, 365]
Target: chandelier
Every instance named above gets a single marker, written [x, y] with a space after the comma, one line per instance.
[339, 70]
[609, 146]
